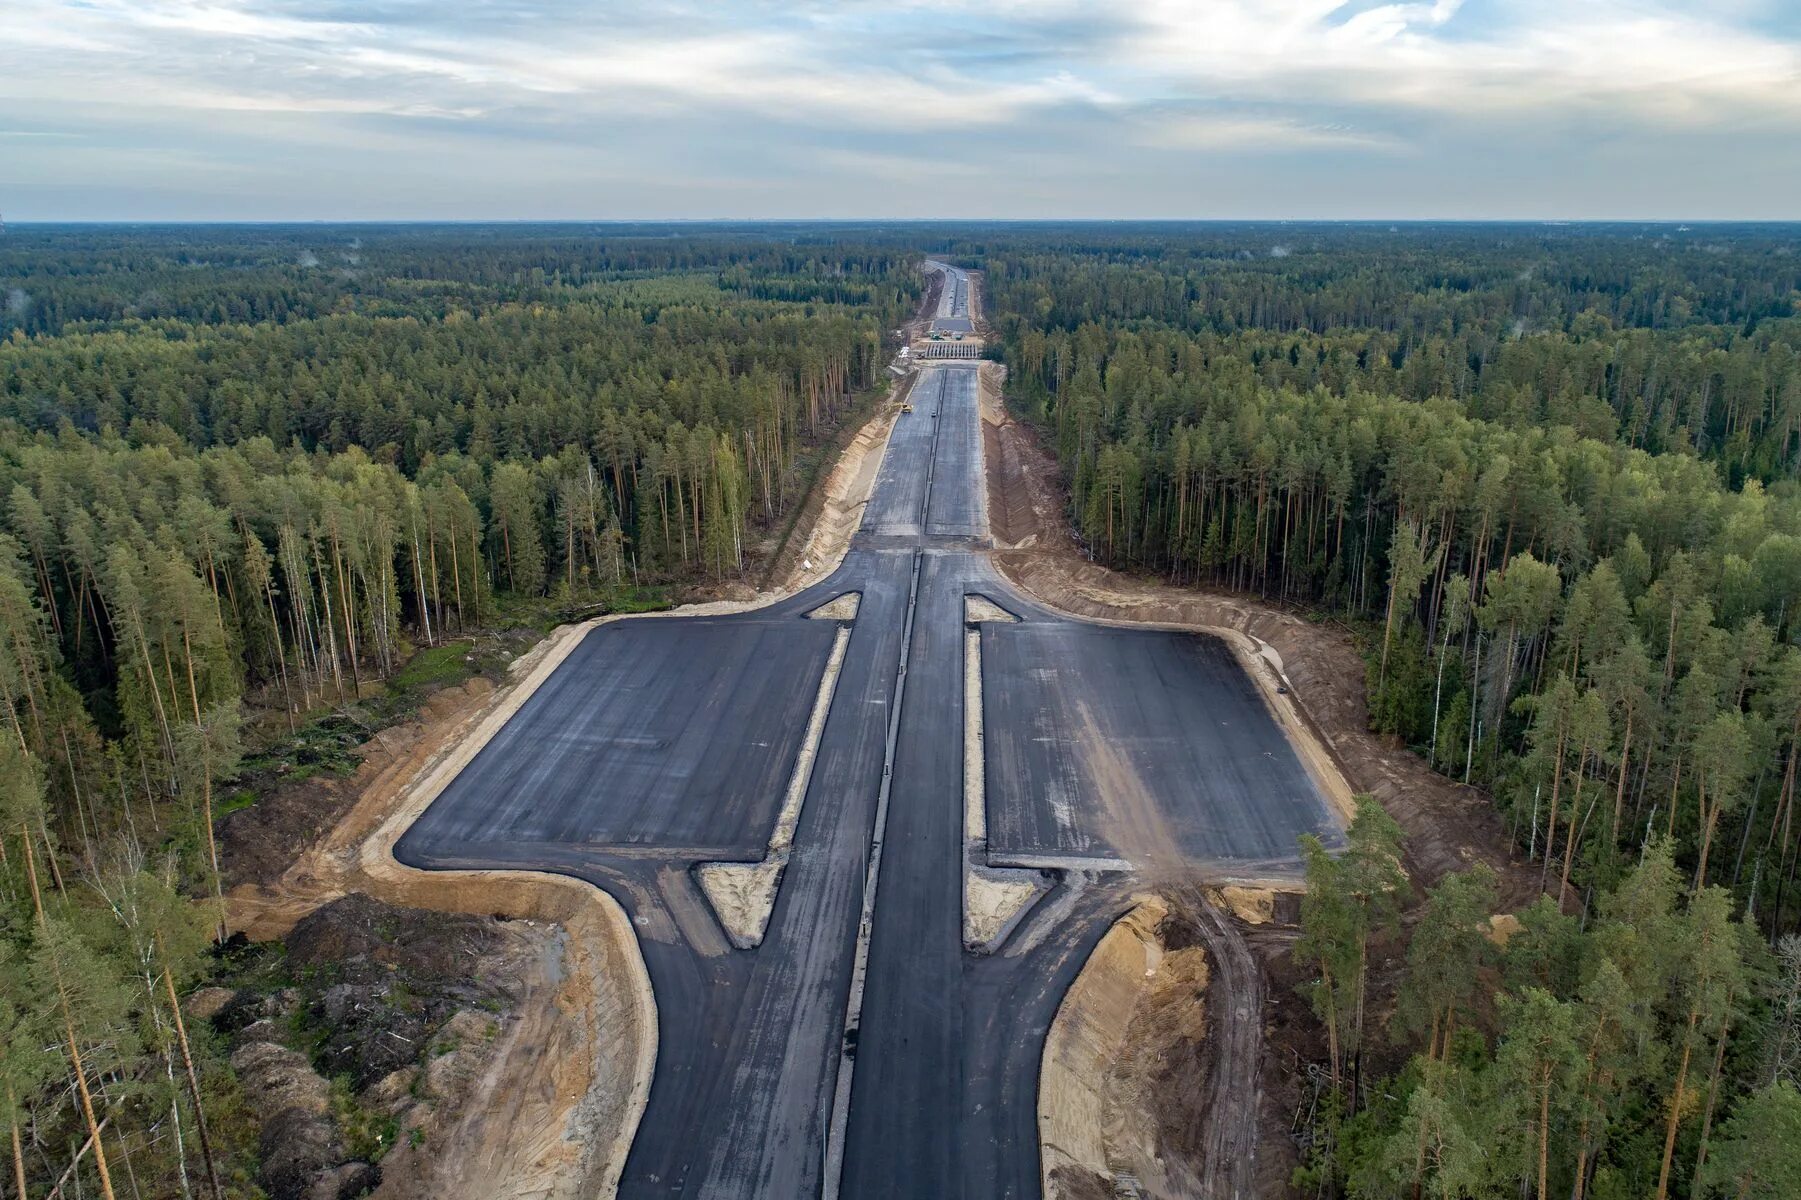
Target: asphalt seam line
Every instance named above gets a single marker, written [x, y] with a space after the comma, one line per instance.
[853, 1014]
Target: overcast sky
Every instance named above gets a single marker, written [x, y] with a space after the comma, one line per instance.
[393, 109]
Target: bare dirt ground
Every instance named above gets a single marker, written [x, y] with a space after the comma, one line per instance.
[916, 328]
[978, 304]
[1079, 1122]
[831, 515]
[1449, 827]
[553, 1097]
[1151, 1058]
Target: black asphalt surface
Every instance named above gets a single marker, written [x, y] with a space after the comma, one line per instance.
[1179, 719]
[662, 743]
[953, 314]
[656, 733]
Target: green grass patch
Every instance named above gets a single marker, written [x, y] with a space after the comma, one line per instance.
[325, 745]
[435, 666]
[261, 966]
[231, 802]
[368, 1135]
[543, 614]
[639, 600]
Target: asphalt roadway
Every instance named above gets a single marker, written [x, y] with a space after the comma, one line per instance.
[662, 743]
[953, 302]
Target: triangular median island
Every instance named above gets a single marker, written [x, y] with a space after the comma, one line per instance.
[980, 609]
[994, 899]
[841, 608]
[743, 896]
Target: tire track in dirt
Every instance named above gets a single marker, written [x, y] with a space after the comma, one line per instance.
[1235, 1034]
[1136, 825]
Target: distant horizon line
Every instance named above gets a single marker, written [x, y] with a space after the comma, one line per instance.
[703, 221]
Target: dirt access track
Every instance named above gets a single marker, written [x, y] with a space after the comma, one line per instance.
[560, 1099]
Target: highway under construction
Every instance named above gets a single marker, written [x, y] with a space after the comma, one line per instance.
[868, 834]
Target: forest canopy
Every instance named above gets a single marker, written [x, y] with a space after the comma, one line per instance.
[1548, 475]
[245, 473]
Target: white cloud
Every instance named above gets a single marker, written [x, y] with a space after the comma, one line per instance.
[1166, 130]
[874, 66]
[1645, 62]
[1122, 107]
[231, 55]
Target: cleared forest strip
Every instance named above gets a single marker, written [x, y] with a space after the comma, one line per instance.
[816, 539]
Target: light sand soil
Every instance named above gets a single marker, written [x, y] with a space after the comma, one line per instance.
[916, 328]
[1147, 1067]
[994, 899]
[978, 286]
[1076, 1108]
[742, 895]
[490, 1124]
[816, 549]
[561, 1092]
[1253, 906]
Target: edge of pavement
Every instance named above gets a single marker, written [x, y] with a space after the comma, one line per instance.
[619, 1004]
[1256, 657]
[619, 957]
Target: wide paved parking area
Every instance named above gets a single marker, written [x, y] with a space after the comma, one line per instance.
[654, 732]
[1110, 742]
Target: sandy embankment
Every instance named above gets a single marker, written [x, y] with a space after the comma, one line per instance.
[1137, 1009]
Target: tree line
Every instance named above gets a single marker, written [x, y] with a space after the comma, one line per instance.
[1572, 559]
[1649, 1048]
[57, 279]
